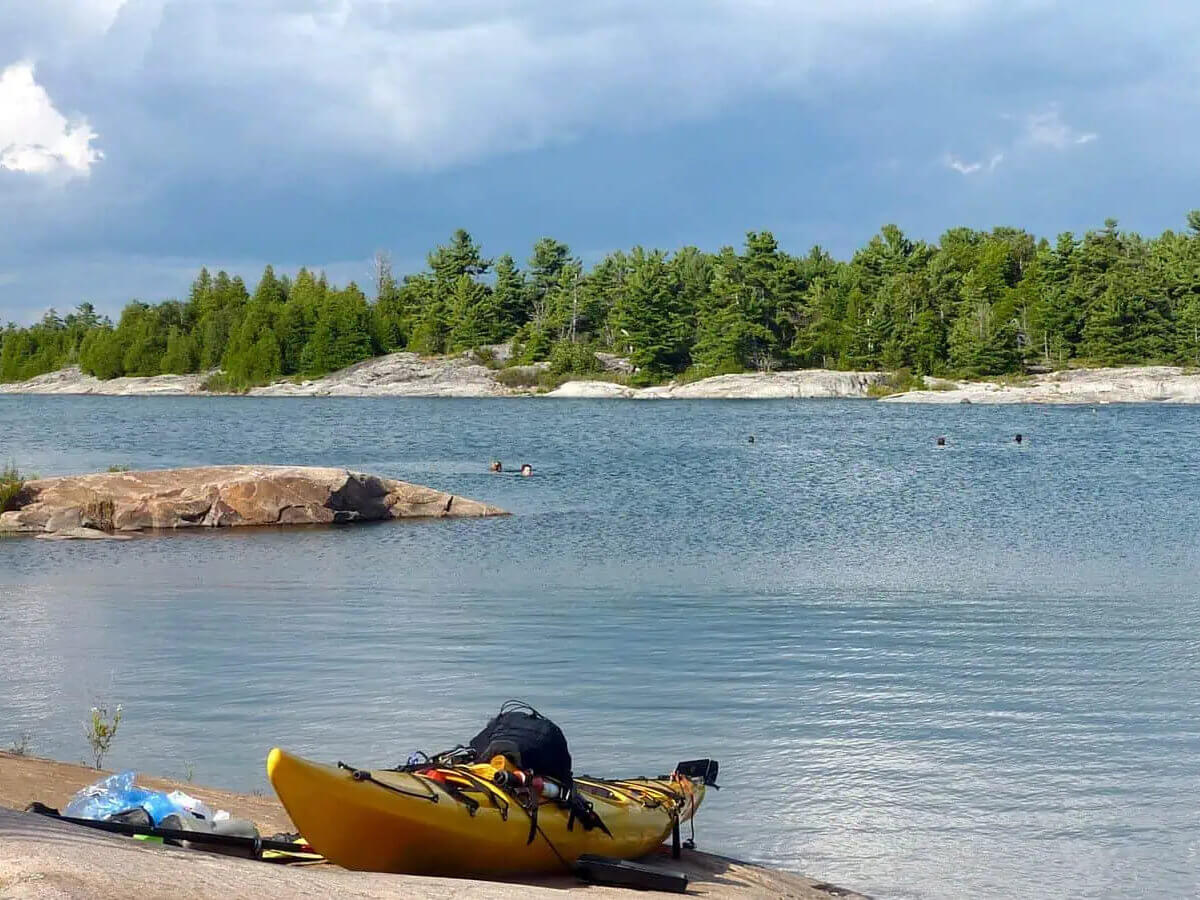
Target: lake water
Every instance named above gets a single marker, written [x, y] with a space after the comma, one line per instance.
[926, 673]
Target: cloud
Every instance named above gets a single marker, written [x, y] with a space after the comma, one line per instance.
[35, 138]
[418, 85]
[1040, 130]
[1047, 129]
[320, 129]
[970, 168]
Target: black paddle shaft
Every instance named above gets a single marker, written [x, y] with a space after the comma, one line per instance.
[174, 834]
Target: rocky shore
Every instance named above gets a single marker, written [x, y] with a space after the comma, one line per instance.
[73, 381]
[398, 375]
[803, 384]
[114, 503]
[41, 858]
[1136, 384]
[410, 375]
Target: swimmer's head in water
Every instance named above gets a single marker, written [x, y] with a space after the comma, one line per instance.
[526, 469]
[941, 442]
[1019, 438]
[495, 466]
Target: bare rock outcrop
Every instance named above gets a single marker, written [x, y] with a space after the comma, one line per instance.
[73, 381]
[398, 375]
[1135, 384]
[465, 375]
[803, 384]
[593, 390]
[806, 383]
[222, 496]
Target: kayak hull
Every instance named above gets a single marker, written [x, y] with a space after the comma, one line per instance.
[417, 823]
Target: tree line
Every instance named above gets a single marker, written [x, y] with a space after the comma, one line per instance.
[973, 303]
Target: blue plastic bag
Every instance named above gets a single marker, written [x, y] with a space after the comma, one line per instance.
[116, 794]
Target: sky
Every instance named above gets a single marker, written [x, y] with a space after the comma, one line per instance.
[141, 139]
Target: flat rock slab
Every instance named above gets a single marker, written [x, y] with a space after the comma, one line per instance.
[46, 859]
[42, 858]
[223, 496]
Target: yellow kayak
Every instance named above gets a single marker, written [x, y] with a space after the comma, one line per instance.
[455, 820]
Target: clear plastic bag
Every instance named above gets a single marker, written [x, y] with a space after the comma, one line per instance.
[186, 803]
[107, 797]
[117, 793]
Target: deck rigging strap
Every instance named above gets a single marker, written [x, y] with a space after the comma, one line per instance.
[365, 775]
[489, 789]
[645, 792]
[536, 829]
[690, 843]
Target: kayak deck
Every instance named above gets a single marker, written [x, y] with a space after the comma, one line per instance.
[454, 820]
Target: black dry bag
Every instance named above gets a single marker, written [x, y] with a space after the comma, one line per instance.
[528, 739]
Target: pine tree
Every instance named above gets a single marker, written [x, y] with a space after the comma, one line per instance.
[860, 339]
[343, 333]
[547, 264]
[297, 320]
[428, 314]
[644, 314]
[144, 339]
[182, 355]
[221, 309]
[473, 318]
[253, 355]
[102, 354]
[510, 297]
[270, 290]
[730, 336]
[460, 257]
[390, 320]
[981, 342]
[818, 327]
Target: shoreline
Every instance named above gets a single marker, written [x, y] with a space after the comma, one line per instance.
[47, 858]
[407, 375]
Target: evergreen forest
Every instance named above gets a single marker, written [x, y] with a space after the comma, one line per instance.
[975, 303]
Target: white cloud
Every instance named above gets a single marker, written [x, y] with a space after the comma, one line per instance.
[1047, 129]
[970, 168]
[1039, 131]
[35, 138]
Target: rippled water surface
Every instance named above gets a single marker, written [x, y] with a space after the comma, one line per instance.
[967, 672]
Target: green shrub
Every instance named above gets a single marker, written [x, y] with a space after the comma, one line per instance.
[101, 731]
[531, 344]
[11, 483]
[1011, 380]
[522, 377]
[220, 383]
[899, 382]
[569, 358]
[118, 467]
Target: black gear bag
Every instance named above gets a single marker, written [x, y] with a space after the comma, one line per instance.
[528, 739]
